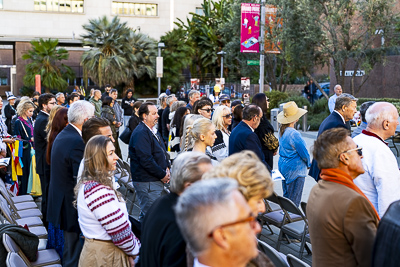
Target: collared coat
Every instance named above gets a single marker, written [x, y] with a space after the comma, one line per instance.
[342, 226]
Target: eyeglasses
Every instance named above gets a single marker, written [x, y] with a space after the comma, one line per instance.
[358, 149]
[267, 99]
[207, 110]
[251, 220]
[51, 103]
[227, 115]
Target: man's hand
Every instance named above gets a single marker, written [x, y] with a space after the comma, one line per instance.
[131, 261]
[166, 177]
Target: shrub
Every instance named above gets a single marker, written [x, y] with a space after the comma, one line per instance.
[320, 106]
[26, 91]
[315, 120]
[274, 98]
[299, 100]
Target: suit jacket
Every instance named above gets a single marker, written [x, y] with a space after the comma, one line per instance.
[148, 155]
[164, 244]
[342, 226]
[332, 121]
[39, 135]
[243, 138]
[66, 155]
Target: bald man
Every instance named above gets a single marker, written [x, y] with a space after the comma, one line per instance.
[381, 180]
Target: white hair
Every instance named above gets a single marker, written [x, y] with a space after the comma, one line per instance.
[79, 111]
[202, 207]
[379, 112]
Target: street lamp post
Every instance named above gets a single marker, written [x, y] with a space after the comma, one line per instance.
[222, 53]
[159, 66]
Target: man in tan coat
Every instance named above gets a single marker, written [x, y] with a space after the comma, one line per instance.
[342, 221]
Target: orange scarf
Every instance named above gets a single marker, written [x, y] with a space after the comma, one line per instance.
[340, 177]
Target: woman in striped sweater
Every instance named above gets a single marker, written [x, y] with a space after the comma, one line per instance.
[103, 217]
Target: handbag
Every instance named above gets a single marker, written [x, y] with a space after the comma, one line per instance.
[125, 136]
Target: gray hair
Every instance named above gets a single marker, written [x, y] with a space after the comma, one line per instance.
[79, 111]
[169, 98]
[204, 206]
[336, 86]
[344, 100]
[186, 170]
[192, 93]
[176, 105]
[59, 94]
[161, 99]
[96, 91]
[379, 112]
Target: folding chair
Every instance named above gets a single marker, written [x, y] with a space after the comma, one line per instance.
[277, 258]
[17, 206]
[303, 206]
[22, 213]
[296, 262]
[277, 217]
[16, 199]
[44, 257]
[14, 219]
[296, 229]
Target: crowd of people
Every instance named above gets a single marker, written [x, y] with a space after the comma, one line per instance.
[201, 172]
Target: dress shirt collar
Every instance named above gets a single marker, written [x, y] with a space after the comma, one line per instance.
[76, 128]
[45, 112]
[153, 130]
[248, 126]
[198, 264]
[340, 116]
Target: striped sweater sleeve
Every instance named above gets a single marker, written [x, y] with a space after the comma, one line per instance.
[102, 201]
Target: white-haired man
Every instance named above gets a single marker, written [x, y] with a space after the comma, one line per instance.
[66, 155]
[332, 100]
[381, 180]
[164, 244]
[225, 228]
[193, 95]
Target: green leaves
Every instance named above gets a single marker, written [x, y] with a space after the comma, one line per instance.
[117, 54]
[45, 59]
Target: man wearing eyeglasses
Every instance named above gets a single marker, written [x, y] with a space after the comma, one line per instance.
[46, 102]
[342, 221]
[226, 229]
[381, 180]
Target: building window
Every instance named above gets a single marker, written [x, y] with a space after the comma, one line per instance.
[134, 9]
[1, 3]
[199, 11]
[70, 6]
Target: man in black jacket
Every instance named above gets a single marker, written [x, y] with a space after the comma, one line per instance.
[149, 160]
[163, 243]
[46, 103]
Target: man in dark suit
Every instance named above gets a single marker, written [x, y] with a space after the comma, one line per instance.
[46, 102]
[243, 136]
[345, 108]
[149, 160]
[66, 155]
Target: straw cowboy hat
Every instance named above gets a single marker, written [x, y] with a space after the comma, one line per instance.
[291, 112]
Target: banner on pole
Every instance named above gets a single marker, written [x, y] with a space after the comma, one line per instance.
[250, 28]
[38, 85]
[271, 24]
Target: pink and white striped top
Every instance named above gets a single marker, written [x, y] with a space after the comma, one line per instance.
[102, 216]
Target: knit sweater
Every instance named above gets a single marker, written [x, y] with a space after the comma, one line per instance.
[102, 216]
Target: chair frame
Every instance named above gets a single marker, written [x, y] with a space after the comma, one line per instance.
[288, 206]
[271, 253]
[295, 262]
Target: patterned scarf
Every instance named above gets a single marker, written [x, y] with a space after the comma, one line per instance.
[340, 177]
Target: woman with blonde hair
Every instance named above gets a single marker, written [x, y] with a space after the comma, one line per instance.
[23, 128]
[102, 213]
[294, 158]
[188, 120]
[221, 119]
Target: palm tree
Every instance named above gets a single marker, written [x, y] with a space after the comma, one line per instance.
[118, 54]
[45, 60]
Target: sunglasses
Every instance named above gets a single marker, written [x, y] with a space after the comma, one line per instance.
[207, 110]
[227, 115]
[358, 149]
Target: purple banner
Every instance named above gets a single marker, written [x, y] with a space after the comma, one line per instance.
[250, 28]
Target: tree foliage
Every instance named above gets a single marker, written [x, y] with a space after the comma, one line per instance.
[118, 54]
[45, 59]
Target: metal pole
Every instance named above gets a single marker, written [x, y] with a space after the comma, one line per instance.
[222, 65]
[159, 79]
[305, 123]
[262, 46]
